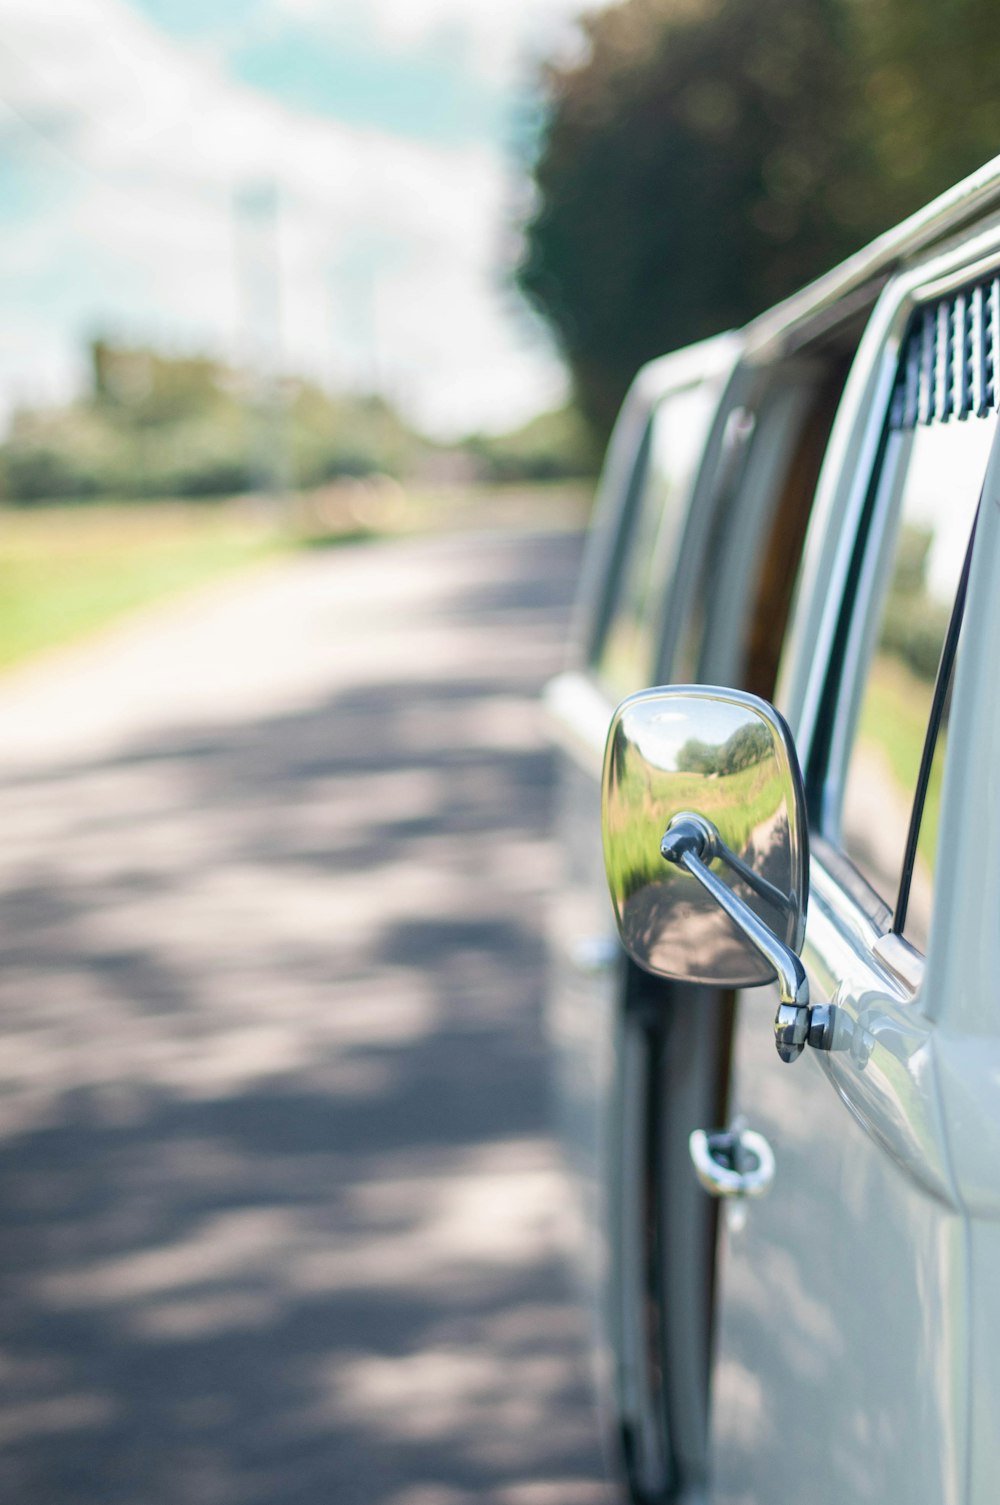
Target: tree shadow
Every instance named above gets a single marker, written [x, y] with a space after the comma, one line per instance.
[280, 1207]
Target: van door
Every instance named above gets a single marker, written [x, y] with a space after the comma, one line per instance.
[640, 1061]
[844, 1305]
[657, 455]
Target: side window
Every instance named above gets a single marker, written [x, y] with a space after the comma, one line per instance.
[676, 440]
[900, 649]
[740, 591]
[913, 907]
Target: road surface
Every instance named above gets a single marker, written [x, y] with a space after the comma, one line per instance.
[281, 1210]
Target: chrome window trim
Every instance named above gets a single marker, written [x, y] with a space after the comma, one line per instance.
[943, 685]
[781, 329]
[776, 397]
[702, 504]
[963, 955]
[610, 502]
[902, 959]
[712, 361]
[846, 476]
[844, 704]
[622, 522]
[845, 699]
[702, 498]
[841, 493]
[855, 607]
[852, 883]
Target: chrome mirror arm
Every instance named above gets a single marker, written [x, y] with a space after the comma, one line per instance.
[753, 880]
[691, 841]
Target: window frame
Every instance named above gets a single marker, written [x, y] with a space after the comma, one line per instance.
[875, 524]
[640, 502]
[727, 528]
[942, 682]
[639, 497]
[713, 362]
[622, 526]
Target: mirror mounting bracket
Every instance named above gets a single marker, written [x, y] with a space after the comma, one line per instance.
[692, 842]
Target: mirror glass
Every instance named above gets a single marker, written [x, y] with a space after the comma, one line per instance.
[729, 759]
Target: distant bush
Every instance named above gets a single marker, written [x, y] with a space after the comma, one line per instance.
[553, 447]
[747, 746]
[187, 426]
[914, 625]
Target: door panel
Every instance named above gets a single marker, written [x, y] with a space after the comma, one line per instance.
[847, 1324]
[586, 962]
[606, 1094]
[842, 1342]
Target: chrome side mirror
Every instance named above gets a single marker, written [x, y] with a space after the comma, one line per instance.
[706, 847]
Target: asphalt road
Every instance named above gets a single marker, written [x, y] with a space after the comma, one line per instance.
[281, 1212]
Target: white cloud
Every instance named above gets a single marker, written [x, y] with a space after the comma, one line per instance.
[496, 34]
[149, 145]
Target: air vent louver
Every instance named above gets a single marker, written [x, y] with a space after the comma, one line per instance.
[949, 364]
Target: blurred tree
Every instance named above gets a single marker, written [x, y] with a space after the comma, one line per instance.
[704, 158]
[153, 388]
[689, 175]
[157, 425]
[552, 447]
[931, 69]
[747, 746]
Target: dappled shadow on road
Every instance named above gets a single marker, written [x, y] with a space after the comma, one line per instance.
[280, 1207]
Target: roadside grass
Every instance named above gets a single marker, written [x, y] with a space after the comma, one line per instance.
[69, 570]
[894, 719]
[736, 804]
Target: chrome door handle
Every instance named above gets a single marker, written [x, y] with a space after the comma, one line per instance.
[732, 1162]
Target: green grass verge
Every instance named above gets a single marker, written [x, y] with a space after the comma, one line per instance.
[66, 571]
[647, 801]
[894, 719]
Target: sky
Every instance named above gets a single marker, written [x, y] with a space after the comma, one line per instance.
[326, 186]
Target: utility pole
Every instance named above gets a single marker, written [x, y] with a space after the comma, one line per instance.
[256, 224]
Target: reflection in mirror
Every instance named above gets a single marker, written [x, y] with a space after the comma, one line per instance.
[724, 760]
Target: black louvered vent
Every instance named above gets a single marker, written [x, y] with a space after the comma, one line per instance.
[949, 365]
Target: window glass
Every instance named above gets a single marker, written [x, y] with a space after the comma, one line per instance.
[928, 490]
[915, 902]
[703, 603]
[679, 431]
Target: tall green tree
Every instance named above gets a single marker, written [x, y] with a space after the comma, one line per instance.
[933, 106]
[704, 158]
